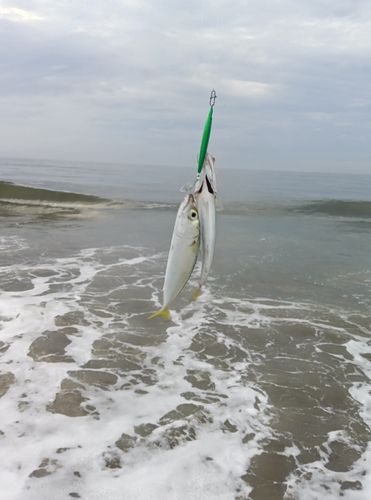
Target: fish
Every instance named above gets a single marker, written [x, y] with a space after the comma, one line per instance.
[183, 253]
[205, 195]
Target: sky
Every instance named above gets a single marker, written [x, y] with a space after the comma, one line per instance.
[129, 81]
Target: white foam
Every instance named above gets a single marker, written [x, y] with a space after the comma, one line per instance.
[195, 455]
[32, 436]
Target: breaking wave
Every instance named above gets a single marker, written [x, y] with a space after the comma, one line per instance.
[16, 200]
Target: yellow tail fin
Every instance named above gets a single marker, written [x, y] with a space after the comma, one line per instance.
[196, 294]
[165, 313]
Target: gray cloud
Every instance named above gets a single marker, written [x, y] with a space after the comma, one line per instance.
[130, 81]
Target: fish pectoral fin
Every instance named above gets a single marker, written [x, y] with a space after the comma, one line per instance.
[196, 294]
[163, 312]
[218, 204]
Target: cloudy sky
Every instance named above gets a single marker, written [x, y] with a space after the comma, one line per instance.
[129, 81]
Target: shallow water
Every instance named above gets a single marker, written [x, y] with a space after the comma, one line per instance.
[258, 390]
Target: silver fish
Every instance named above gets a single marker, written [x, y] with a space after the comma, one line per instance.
[182, 254]
[205, 191]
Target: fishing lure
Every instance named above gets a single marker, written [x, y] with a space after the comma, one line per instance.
[207, 131]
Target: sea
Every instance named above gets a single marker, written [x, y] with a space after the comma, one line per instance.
[258, 390]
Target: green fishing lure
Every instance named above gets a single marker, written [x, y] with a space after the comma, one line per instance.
[206, 134]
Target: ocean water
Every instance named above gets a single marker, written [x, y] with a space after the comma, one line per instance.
[260, 389]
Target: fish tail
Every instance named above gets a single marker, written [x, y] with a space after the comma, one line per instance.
[196, 294]
[163, 312]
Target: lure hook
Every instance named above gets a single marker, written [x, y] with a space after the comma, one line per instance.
[187, 188]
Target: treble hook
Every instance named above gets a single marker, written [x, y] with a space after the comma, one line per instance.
[213, 96]
[187, 188]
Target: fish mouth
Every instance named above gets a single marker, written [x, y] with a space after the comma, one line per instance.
[190, 201]
[210, 189]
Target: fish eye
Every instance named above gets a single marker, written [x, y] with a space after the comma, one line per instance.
[193, 214]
